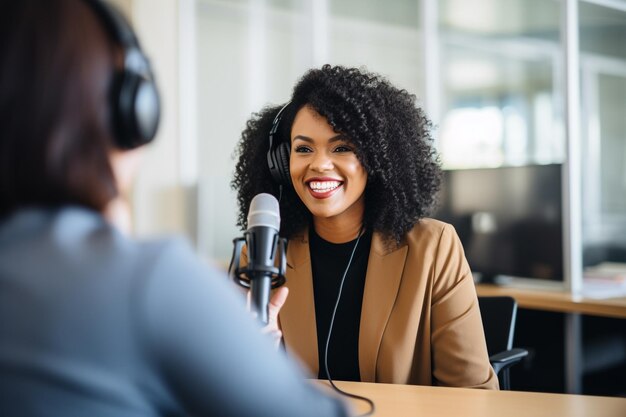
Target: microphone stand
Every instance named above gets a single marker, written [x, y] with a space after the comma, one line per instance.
[252, 275]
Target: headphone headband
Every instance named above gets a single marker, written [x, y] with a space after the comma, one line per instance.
[116, 24]
[276, 123]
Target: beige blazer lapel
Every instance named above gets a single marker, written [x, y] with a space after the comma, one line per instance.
[384, 273]
[297, 317]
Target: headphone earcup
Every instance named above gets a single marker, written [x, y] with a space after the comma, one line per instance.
[134, 98]
[278, 164]
[278, 152]
[283, 152]
[136, 110]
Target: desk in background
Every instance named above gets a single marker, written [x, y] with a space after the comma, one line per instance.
[413, 400]
[561, 301]
[558, 300]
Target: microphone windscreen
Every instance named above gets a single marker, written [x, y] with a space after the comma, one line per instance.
[264, 211]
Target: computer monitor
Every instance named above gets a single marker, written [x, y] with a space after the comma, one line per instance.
[508, 218]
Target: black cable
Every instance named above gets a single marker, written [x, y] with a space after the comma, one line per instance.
[330, 330]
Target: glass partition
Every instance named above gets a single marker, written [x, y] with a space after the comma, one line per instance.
[603, 97]
[501, 95]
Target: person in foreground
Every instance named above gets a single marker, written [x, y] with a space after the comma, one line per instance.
[350, 159]
[93, 323]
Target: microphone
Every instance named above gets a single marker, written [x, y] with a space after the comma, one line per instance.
[263, 243]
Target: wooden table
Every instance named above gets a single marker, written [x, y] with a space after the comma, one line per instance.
[558, 300]
[412, 400]
[573, 306]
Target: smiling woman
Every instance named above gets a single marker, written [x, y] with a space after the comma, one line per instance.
[350, 158]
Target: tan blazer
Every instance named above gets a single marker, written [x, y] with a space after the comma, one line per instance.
[420, 322]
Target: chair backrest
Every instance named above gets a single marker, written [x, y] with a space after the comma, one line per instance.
[498, 314]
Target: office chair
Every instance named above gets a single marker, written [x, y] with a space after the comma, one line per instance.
[498, 315]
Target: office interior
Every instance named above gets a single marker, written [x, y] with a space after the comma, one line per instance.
[510, 85]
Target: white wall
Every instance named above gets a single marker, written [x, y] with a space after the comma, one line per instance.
[160, 202]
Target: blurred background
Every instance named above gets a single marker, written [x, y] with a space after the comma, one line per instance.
[490, 73]
[528, 98]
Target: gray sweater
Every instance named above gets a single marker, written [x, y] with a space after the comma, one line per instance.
[95, 324]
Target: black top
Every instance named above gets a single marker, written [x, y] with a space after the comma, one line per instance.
[329, 262]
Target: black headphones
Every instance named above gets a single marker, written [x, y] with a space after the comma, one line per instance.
[278, 152]
[134, 98]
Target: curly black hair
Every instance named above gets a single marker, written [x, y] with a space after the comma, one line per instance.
[391, 137]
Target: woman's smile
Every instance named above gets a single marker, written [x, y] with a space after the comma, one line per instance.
[323, 187]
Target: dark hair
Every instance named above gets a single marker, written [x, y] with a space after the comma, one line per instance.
[392, 140]
[56, 66]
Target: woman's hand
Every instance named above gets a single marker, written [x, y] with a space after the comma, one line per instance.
[276, 303]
